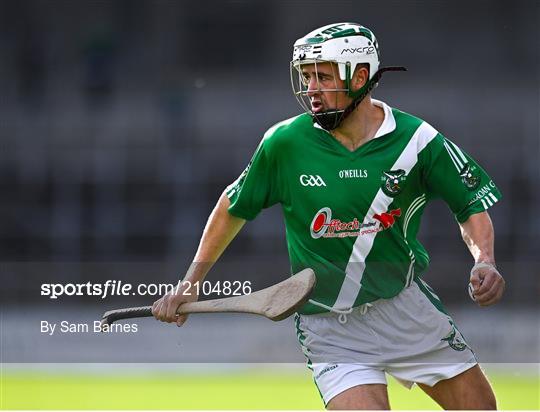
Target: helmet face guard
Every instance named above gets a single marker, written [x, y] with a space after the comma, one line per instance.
[327, 117]
[344, 46]
[330, 118]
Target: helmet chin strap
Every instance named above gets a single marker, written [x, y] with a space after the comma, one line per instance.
[331, 119]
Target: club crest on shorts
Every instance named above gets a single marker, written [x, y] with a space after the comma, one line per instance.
[470, 176]
[455, 340]
[392, 182]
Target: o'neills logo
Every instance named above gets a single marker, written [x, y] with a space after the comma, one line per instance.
[323, 225]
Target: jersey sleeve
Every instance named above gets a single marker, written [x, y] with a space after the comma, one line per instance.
[454, 176]
[255, 189]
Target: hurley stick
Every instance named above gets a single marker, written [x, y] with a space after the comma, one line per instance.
[276, 302]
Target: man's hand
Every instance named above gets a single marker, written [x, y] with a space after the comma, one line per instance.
[488, 284]
[164, 309]
[220, 230]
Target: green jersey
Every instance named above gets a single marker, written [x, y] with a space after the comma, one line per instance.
[353, 216]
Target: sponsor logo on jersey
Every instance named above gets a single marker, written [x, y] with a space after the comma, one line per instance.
[353, 174]
[392, 182]
[312, 180]
[470, 176]
[455, 340]
[388, 219]
[483, 191]
[323, 225]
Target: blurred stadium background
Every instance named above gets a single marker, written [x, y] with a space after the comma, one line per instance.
[122, 121]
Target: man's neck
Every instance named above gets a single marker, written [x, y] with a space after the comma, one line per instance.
[360, 126]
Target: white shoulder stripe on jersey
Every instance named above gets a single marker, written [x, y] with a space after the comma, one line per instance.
[413, 203]
[413, 207]
[453, 157]
[410, 273]
[458, 151]
[362, 246]
[413, 211]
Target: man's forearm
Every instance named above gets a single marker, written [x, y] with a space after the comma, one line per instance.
[219, 231]
[478, 234]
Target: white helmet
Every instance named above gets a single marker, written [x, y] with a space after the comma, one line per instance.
[346, 45]
[341, 43]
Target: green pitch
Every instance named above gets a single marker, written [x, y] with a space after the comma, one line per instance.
[236, 390]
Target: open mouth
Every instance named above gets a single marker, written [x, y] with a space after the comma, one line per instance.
[316, 106]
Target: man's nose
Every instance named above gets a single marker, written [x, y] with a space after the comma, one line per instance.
[313, 87]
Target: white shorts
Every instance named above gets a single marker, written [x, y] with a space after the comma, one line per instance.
[408, 336]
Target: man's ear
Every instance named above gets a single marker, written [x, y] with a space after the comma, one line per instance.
[360, 78]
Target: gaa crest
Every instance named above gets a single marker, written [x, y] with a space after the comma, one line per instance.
[470, 176]
[455, 340]
[392, 182]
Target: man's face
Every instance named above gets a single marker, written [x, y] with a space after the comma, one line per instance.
[322, 82]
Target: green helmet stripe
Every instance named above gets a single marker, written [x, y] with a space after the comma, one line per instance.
[366, 33]
[344, 33]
